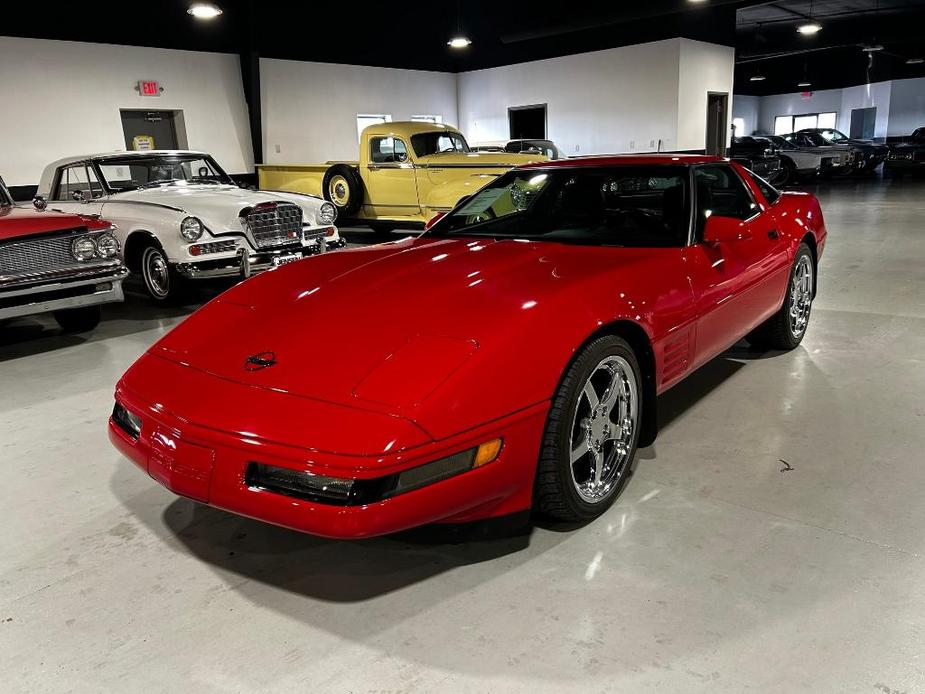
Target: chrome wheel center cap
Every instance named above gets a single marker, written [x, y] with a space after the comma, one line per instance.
[598, 427]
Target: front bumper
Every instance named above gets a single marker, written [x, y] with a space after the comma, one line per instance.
[60, 291]
[245, 263]
[905, 164]
[211, 466]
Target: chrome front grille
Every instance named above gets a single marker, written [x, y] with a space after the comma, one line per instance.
[275, 224]
[39, 255]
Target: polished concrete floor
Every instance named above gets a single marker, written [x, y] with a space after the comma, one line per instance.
[772, 540]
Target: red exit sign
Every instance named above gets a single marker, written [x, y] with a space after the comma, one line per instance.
[149, 88]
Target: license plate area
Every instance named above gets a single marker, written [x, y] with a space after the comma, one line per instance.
[278, 260]
[182, 467]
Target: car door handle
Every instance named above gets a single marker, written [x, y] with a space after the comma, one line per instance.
[773, 234]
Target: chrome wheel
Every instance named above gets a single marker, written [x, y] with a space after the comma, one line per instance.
[801, 295]
[156, 272]
[606, 416]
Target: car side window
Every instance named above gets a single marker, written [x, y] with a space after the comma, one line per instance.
[721, 192]
[77, 178]
[770, 193]
[387, 150]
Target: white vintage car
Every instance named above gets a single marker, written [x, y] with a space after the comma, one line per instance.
[180, 216]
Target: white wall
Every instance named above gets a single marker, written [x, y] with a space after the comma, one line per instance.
[62, 98]
[876, 94]
[616, 100]
[843, 101]
[794, 104]
[747, 108]
[703, 67]
[907, 107]
[310, 109]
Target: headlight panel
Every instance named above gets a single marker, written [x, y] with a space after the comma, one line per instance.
[191, 229]
[341, 491]
[327, 214]
[83, 248]
[107, 246]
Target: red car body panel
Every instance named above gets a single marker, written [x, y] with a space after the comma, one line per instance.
[19, 222]
[442, 344]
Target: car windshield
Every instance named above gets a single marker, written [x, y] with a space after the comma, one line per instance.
[832, 135]
[437, 142]
[816, 139]
[131, 173]
[5, 198]
[544, 147]
[779, 142]
[634, 206]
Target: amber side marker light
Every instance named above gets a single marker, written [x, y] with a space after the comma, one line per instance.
[487, 452]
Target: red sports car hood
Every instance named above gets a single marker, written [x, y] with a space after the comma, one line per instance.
[382, 327]
[18, 222]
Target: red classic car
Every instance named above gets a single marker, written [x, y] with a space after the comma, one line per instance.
[50, 261]
[509, 357]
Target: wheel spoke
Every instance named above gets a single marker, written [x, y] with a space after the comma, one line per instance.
[593, 399]
[597, 457]
[580, 450]
[614, 388]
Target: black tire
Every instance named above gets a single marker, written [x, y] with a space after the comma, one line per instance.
[78, 320]
[382, 229]
[162, 282]
[342, 173]
[778, 332]
[556, 495]
[788, 172]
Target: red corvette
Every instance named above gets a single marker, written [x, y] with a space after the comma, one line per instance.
[509, 357]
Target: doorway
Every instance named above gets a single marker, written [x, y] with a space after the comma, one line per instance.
[153, 129]
[863, 122]
[717, 115]
[527, 122]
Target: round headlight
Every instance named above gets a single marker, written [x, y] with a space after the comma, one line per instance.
[83, 248]
[328, 213]
[106, 246]
[191, 229]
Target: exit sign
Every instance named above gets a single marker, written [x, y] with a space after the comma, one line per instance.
[149, 88]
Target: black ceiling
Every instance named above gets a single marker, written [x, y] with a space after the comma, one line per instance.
[414, 35]
[769, 45]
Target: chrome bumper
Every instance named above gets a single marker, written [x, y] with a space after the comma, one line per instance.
[246, 263]
[89, 289]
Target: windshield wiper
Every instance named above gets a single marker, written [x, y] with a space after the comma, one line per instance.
[152, 184]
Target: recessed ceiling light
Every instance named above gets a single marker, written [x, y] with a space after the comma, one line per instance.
[809, 29]
[757, 78]
[872, 49]
[915, 61]
[204, 10]
[458, 42]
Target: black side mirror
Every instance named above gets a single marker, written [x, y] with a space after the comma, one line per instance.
[79, 196]
[39, 203]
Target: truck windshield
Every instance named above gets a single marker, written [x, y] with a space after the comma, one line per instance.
[425, 144]
[638, 206]
[131, 173]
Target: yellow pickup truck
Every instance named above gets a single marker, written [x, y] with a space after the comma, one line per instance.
[407, 173]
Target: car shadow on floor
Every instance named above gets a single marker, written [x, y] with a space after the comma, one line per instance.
[338, 571]
[22, 337]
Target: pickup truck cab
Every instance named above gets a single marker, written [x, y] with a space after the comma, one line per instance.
[407, 173]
